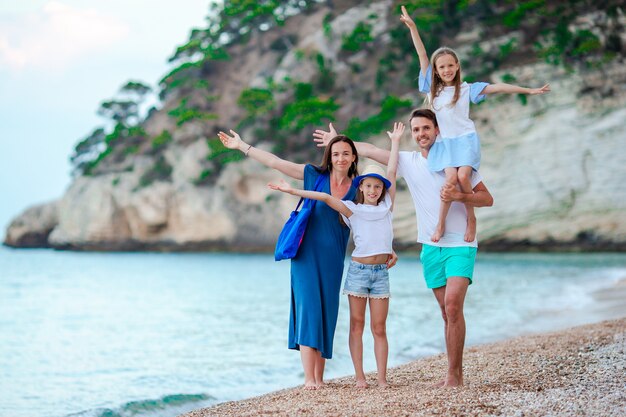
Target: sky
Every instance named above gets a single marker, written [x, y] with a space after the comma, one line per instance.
[59, 59]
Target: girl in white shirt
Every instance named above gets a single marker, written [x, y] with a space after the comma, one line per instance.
[370, 219]
[457, 150]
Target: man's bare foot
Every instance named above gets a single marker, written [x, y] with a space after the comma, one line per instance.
[308, 385]
[470, 231]
[361, 383]
[439, 231]
[440, 384]
[453, 382]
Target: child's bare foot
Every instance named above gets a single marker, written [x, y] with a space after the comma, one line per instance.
[308, 385]
[361, 383]
[470, 231]
[383, 384]
[439, 231]
[320, 384]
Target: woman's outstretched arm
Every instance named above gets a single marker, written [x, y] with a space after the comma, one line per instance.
[234, 141]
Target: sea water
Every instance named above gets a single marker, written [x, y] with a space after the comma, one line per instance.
[146, 334]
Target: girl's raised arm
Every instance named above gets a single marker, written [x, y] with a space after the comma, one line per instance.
[417, 41]
[392, 165]
[514, 89]
[234, 141]
[332, 202]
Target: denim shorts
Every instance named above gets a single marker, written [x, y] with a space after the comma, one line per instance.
[368, 281]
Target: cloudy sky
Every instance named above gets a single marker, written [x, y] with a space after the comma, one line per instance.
[58, 60]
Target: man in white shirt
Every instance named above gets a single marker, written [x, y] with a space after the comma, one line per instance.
[449, 263]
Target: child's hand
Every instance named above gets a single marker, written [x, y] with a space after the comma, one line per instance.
[406, 19]
[281, 186]
[398, 130]
[542, 90]
[322, 137]
[231, 142]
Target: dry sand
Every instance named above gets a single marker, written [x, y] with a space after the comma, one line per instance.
[575, 372]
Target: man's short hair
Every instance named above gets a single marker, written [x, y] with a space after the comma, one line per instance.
[426, 113]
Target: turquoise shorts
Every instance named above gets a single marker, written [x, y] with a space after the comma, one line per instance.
[442, 263]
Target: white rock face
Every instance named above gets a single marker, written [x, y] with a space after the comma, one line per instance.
[31, 228]
[554, 166]
[94, 212]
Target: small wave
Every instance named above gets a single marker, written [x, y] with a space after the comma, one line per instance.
[169, 405]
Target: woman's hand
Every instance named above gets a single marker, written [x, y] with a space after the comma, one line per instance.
[322, 137]
[542, 90]
[398, 131]
[406, 19]
[231, 142]
[281, 186]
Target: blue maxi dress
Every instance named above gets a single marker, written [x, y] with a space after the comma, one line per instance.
[316, 273]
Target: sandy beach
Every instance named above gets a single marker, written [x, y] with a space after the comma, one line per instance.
[575, 372]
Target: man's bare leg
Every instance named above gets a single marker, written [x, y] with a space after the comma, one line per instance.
[456, 289]
[451, 299]
[440, 295]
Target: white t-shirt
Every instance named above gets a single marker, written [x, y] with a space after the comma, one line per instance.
[425, 187]
[372, 228]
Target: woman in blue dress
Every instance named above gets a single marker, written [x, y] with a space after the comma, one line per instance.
[317, 269]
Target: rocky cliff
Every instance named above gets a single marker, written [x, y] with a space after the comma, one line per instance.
[553, 163]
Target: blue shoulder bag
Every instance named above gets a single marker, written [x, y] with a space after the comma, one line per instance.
[293, 231]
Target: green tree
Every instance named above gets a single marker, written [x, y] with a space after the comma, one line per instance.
[87, 150]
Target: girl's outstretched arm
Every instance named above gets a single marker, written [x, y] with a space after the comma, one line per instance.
[417, 41]
[332, 202]
[234, 141]
[514, 89]
[392, 165]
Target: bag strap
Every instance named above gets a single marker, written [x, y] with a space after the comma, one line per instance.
[316, 187]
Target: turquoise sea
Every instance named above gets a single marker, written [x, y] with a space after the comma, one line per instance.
[145, 334]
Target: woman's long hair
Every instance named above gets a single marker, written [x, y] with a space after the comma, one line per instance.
[327, 163]
[436, 83]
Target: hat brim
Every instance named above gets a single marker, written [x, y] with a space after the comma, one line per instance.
[357, 181]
